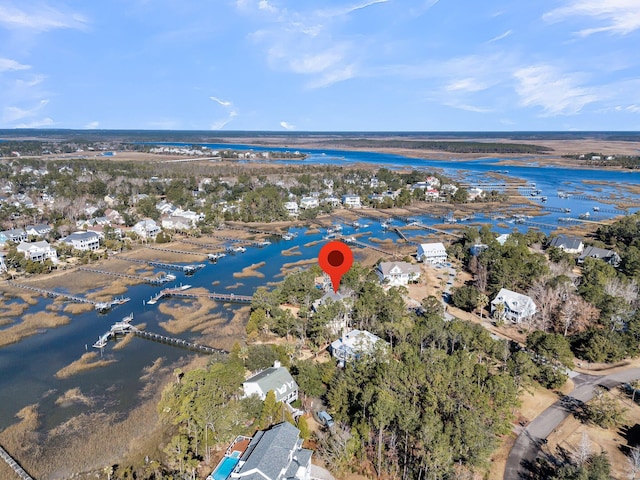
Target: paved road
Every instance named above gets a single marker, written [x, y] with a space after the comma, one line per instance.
[527, 446]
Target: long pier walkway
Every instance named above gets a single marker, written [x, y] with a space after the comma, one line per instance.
[152, 280]
[53, 293]
[373, 247]
[254, 230]
[179, 292]
[188, 269]
[173, 250]
[436, 230]
[14, 465]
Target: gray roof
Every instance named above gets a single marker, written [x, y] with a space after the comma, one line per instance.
[277, 379]
[569, 243]
[80, 236]
[601, 253]
[270, 454]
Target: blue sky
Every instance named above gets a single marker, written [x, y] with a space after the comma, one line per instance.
[311, 65]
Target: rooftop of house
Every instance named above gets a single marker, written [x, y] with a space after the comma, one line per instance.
[564, 241]
[398, 268]
[271, 378]
[513, 300]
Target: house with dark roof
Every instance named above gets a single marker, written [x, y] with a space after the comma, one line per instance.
[40, 230]
[274, 454]
[567, 244]
[83, 240]
[274, 378]
[517, 306]
[609, 256]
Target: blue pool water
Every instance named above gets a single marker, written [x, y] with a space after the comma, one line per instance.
[224, 468]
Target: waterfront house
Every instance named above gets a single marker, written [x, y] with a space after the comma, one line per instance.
[351, 201]
[276, 378]
[398, 273]
[517, 306]
[353, 345]
[609, 256]
[40, 230]
[147, 228]
[291, 208]
[177, 223]
[309, 202]
[568, 244]
[83, 240]
[15, 235]
[433, 253]
[38, 251]
[273, 454]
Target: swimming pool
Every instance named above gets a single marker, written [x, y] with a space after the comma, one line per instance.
[224, 468]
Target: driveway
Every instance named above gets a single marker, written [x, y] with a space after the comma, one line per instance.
[526, 448]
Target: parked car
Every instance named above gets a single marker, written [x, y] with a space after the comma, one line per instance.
[325, 419]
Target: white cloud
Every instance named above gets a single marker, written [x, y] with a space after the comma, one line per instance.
[36, 80]
[11, 114]
[40, 18]
[634, 108]
[467, 85]
[287, 126]
[500, 37]
[556, 93]
[224, 103]
[468, 108]
[617, 16]
[8, 65]
[220, 124]
[92, 125]
[43, 122]
[316, 63]
[339, 12]
[333, 76]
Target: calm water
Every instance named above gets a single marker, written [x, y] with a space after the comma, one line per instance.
[27, 369]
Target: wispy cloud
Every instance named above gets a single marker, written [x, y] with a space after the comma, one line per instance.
[12, 114]
[224, 103]
[92, 125]
[618, 16]
[500, 37]
[557, 93]
[42, 122]
[287, 125]
[339, 12]
[40, 17]
[8, 65]
[467, 85]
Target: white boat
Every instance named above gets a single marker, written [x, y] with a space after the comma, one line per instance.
[264, 243]
[287, 236]
[239, 249]
[214, 257]
[596, 209]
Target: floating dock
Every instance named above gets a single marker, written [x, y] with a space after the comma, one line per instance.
[187, 269]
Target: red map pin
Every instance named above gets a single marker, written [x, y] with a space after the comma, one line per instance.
[335, 259]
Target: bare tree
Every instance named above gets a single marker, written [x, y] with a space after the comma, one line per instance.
[634, 463]
[583, 450]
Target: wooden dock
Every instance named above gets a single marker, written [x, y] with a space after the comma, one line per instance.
[15, 466]
[152, 280]
[53, 293]
[188, 269]
[360, 244]
[179, 292]
[254, 230]
[173, 250]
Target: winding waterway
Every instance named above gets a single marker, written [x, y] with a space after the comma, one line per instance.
[27, 368]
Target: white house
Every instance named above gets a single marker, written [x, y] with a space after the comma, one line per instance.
[398, 273]
[177, 223]
[3, 263]
[517, 307]
[15, 235]
[39, 230]
[83, 240]
[274, 378]
[355, 344]
[568, 244]
[291, 208]
[309, 202]
[433, 253]
[38, 251]
[351, 201]
[147, 228]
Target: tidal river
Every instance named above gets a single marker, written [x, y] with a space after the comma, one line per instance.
[27, 368]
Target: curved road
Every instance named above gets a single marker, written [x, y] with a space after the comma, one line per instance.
[527, 446]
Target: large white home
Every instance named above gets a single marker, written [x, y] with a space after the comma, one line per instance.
[291, 208]
[274, 378]
[355, 344]
[38, 251]
[147, 228]
[83, 240]
[433, 253]
[309, 202]
[39, 230]
[398, 273]
[15, 235]
[517, 307]
[351, 201]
